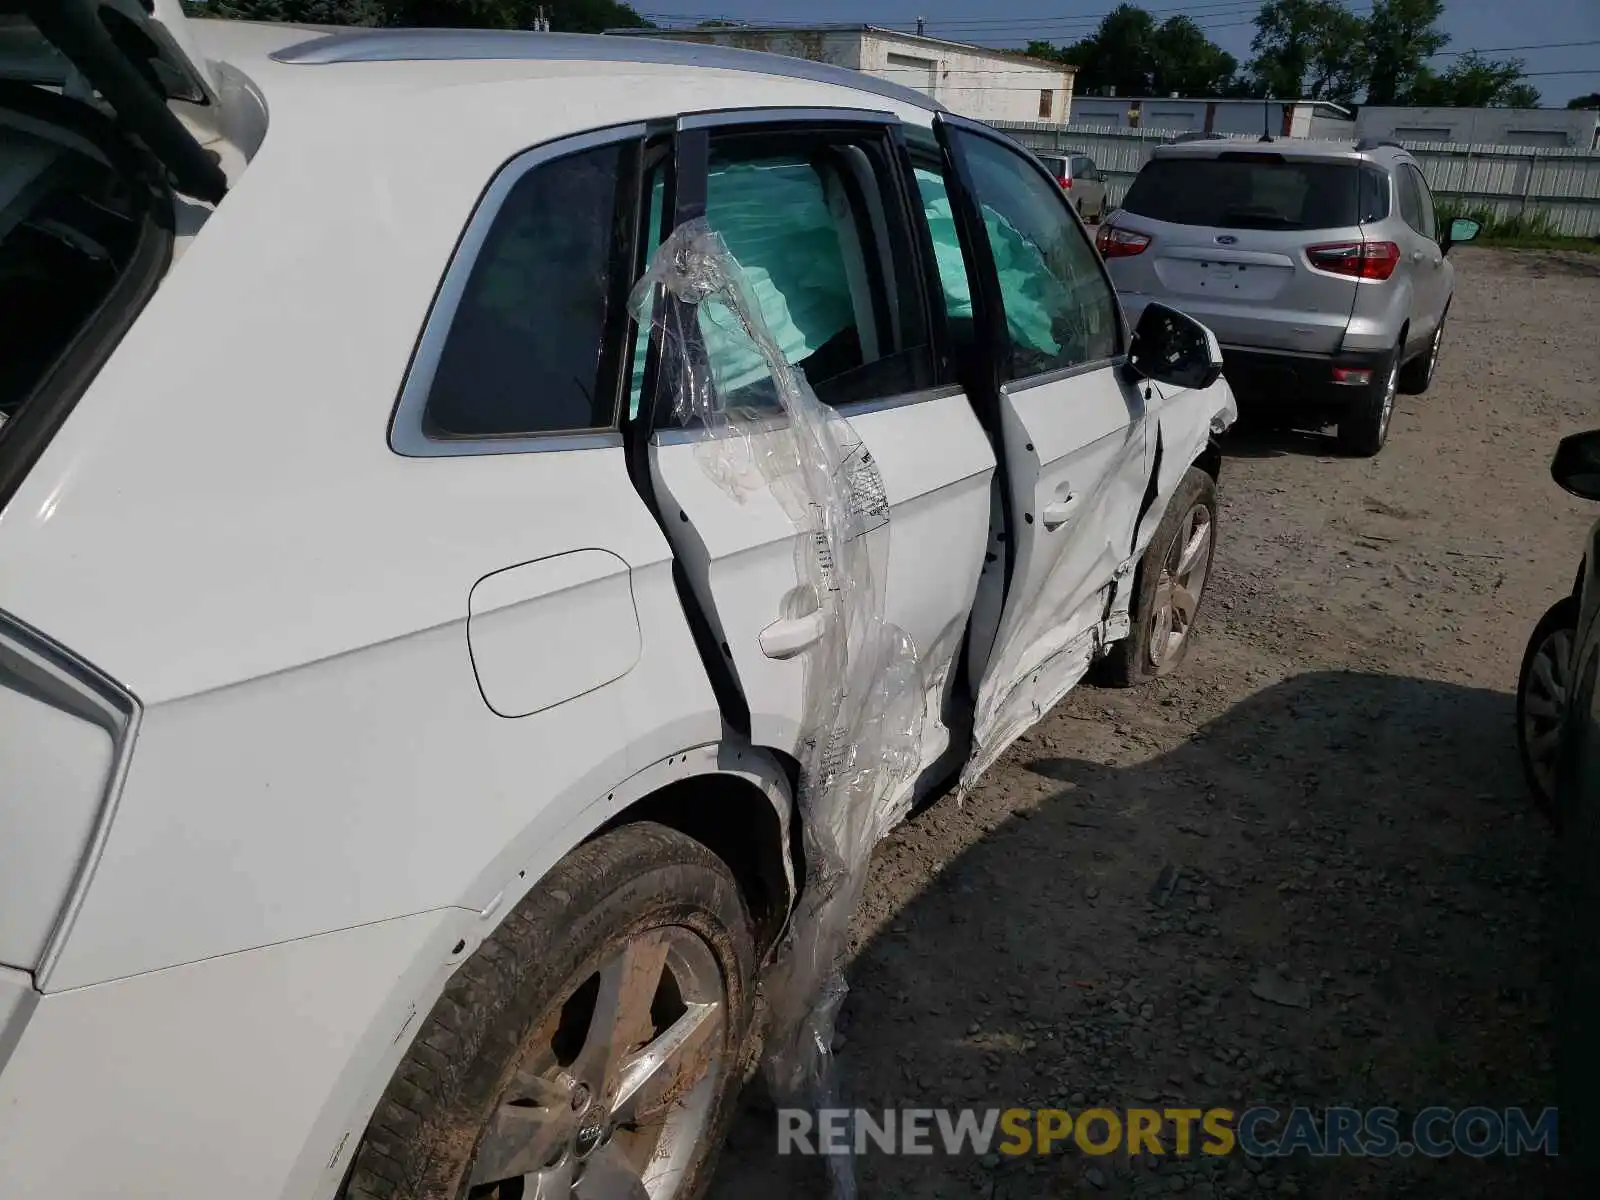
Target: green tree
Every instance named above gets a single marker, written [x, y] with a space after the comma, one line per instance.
[1476, 82]
[1312, 49]
[1592, 100]
[304, 12]
[1130, 52]
[1401, 37]
[1188, 62]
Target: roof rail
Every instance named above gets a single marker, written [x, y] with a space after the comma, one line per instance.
[1372, 143]
[1199, 135]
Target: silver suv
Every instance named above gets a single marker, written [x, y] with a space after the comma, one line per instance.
[1320, 267]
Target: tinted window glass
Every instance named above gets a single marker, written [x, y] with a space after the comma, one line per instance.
[68, 229]
[1410, 200]
[824, 248]
[1428, 226]
[525, 350]
[1059, 309]
[1245, 192]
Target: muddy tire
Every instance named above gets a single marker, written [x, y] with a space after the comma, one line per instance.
[550, 1056]
[1544, 682]
[1170, 580]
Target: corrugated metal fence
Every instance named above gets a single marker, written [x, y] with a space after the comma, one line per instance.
[1501, 180]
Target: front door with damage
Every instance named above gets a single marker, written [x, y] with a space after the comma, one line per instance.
[1070, 425]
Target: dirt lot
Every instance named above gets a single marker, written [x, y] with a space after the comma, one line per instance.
[1332, 777]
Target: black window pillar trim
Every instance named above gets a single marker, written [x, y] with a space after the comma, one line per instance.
[994, 361]
[683, 199]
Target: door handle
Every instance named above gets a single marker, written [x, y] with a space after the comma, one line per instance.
[787, 637]
[1059, 512]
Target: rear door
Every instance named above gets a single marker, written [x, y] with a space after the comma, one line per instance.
[1095, 185]
[1228, 239]
[1046, 324]
[814, 208]
[1425, 259]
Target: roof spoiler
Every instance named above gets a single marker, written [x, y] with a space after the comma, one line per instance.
[78, 30]
[1372, 143]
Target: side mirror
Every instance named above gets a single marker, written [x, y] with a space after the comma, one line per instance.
[1171, 347]
[1576, 466]
[1460, 229]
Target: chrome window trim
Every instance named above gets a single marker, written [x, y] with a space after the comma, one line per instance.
[774, 420]
[1012, 386]
[406, 435]
[860, 408]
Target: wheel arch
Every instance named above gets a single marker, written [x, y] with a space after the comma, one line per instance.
[749, 825]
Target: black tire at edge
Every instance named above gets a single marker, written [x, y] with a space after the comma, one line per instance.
[1562, 614]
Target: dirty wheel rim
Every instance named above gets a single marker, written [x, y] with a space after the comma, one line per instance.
[1390, 386]
[1544, 705]
[1178, 589]
[613, 1094]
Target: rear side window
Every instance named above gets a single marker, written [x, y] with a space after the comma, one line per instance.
[1258, 191]
[525, 352]
[816, 223]
[1422, 200]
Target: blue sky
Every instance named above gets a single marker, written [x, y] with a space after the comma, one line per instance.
[1483, 24]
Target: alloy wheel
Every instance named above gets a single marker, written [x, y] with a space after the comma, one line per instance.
[1178, 590]
[1391, 385]
[613, 1093]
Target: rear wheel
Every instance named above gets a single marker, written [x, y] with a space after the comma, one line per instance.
[1168, 587]
[1417, 375]
[1544, 687]
[589, 1048]
[1364, 426]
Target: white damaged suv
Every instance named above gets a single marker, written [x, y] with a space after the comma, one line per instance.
[409, 727]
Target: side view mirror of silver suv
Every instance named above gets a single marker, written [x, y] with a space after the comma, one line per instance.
[1171, 347]
[1461, 229]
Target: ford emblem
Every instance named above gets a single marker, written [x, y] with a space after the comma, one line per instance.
[1226, 239]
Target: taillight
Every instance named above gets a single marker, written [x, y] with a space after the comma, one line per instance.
[1119, 243]
[1359, 260]
[1065, 183]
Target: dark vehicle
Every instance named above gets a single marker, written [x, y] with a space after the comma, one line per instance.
[1565, 651]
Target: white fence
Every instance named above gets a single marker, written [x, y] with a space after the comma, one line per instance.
[1501, 180]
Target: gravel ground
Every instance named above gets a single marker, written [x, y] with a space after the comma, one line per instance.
[1328, 792]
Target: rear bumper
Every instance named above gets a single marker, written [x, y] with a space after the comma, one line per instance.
[1287, 378]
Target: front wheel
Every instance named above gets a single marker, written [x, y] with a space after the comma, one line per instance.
[1544, 685]
[1168, 586]
[589, 1048]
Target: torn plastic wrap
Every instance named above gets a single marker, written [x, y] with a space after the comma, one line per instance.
[864, 694]
[1060, 630]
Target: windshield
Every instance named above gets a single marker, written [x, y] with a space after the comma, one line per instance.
[1258, 191]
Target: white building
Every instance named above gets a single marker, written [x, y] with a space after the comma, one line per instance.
[974, 81]
[1556, 127]
[1179, 114]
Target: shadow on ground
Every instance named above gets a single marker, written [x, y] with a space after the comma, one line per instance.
[1095, 931]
